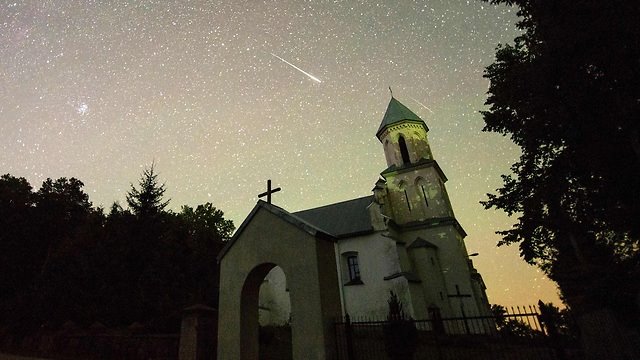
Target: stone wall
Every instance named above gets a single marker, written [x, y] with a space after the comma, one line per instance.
[87, 344]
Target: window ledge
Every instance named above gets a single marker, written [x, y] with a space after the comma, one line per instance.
[354, 282]
[411, 277]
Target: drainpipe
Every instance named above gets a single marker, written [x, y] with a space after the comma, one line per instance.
[336, 250]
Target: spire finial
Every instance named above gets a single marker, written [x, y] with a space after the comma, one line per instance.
[391, 91]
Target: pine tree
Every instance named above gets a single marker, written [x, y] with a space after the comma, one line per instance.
[147, 201]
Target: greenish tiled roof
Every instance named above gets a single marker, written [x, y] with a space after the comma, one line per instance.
[397, 112]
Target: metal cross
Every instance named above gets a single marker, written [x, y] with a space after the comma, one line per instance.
[458, 294]
[269, 192]
[461, 296]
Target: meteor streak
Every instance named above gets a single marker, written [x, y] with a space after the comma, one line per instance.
[421, 104]
[297, 68]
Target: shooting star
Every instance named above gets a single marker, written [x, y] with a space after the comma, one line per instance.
[297, 68]
[421, 104]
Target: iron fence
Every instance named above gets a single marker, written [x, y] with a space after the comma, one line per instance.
[516, 334]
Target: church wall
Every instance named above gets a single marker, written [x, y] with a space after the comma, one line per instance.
[378, 258]
[453, 261]
[417, 308]
[426, 263]
[436, 205]
[480, 295]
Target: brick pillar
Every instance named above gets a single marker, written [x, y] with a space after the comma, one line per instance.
[198, 333]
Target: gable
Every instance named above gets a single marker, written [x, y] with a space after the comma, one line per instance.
[277, 215]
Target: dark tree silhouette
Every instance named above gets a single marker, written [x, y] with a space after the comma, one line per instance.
[566, 92]
[62, 208]
[400, 333]
[17, 263]
[148, 199]
[61, 259]
[207, 232]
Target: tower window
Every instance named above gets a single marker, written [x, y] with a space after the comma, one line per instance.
[422, 185]
[406, 197]
[424, 194]
[403, 150]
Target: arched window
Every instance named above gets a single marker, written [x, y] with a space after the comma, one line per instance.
[353, 267]
[403, 150]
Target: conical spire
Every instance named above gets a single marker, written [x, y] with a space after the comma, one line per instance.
[396, 112]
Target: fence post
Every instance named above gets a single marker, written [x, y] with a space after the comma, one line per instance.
[349, 335]
[198, 333]
[437, 327]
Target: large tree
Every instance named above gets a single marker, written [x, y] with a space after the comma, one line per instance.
[208, 231]
[62, 208]
[567, 92]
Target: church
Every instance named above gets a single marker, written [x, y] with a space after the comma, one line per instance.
[404, 238]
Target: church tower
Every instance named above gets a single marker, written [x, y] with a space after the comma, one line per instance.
[415, 188]
[413, 200]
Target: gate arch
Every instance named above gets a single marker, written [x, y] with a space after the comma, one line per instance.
[271, 236]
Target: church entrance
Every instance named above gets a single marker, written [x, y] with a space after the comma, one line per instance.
[271, 238]
[274, 317]
[269, 328]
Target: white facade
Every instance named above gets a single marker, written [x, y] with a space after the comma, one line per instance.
[404, 238]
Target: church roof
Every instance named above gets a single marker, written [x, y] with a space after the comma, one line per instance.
[341, 219]
[397, 112]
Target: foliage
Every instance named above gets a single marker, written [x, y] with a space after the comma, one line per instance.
[557, 322]
[395, 308]
[207, 222]
[62, 259]
[207, 232]
[400, 333]
[566, 92]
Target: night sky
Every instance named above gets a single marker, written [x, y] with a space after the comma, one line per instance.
[223, 95]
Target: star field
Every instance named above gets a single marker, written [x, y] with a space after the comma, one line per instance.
[99, 89]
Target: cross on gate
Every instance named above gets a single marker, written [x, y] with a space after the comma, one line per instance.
[461, 296]
[269, 192]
